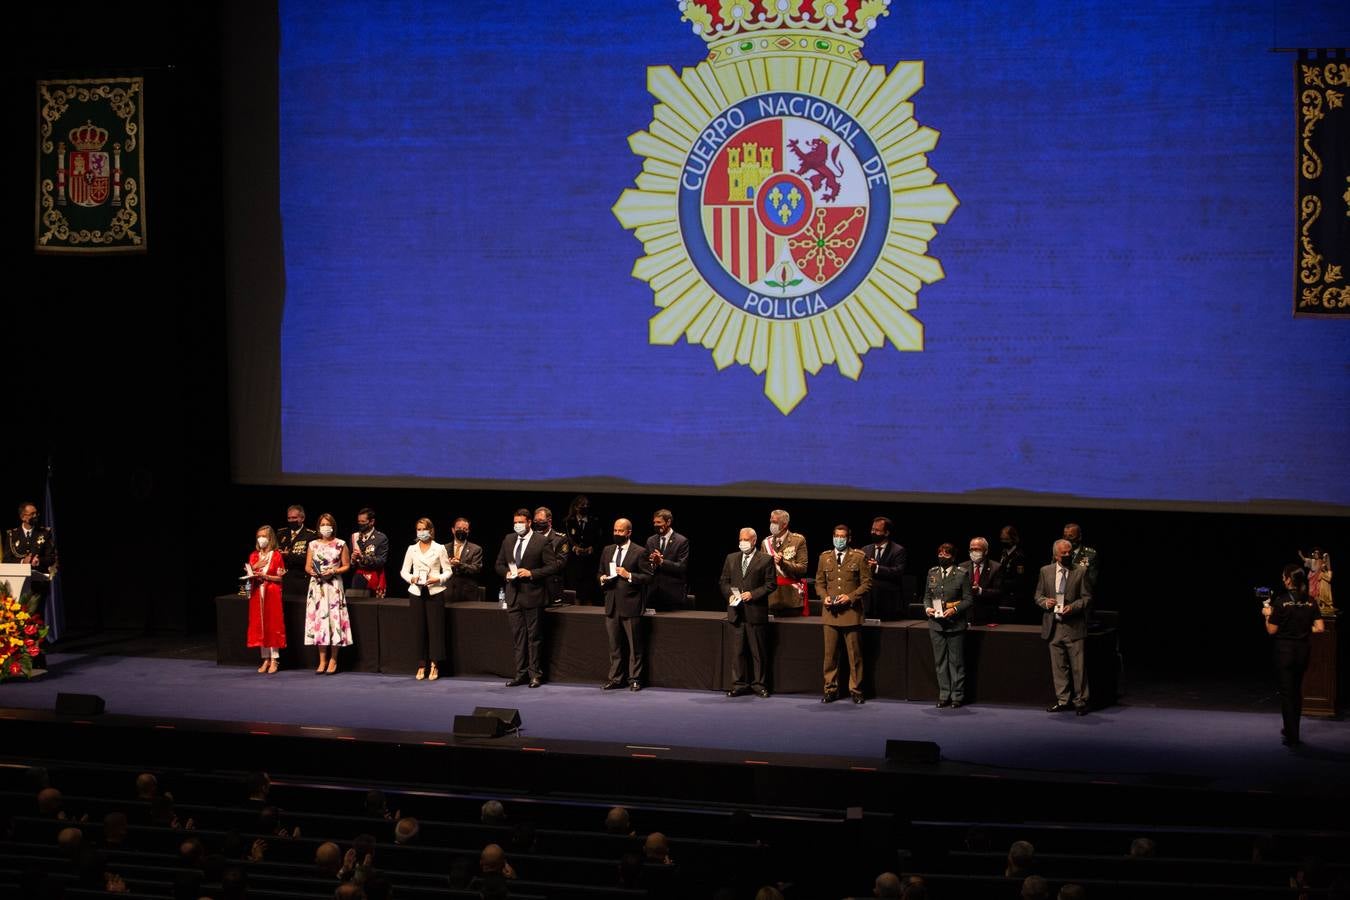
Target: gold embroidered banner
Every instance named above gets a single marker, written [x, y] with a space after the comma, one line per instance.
[91, 166]
[1323, 239]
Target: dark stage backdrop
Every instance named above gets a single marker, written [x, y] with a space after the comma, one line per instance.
[1113, 328]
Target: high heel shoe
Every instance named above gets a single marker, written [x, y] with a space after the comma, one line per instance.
[272, 667]
[421, 673]
[435, 673]
[262, 670]
[319, 670]
[332, 666]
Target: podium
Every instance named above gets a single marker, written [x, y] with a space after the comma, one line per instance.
[16, 575]
[1319, 682]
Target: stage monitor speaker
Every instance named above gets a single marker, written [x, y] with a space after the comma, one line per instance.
[509, 717]
[478, 727]
[923, 753]
[79, 704]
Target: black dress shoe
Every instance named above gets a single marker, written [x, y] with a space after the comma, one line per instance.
[829, 698]
[857, 698]
[943, 704]
[635, 686]
[956, 704]
[517, 681]
[763, 692]
[536, 682]
[738, 692]
[1081, 711]
[1058, 707]
[611, 685]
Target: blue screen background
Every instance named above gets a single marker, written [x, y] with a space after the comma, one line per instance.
[1115, 322]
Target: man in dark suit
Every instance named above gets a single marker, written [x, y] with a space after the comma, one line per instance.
[1015, 577]
[293, 541]
[466, 562]
[1064, 594]
[584, 541]
[886, 560]
[946, 601]
[624, 573]
[526, 561]
[843, 579]
[982, 573]
[748, 578]
[543, 524]
[668, 554]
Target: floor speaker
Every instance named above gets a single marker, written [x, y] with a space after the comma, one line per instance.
[508, 717]
[478, 727]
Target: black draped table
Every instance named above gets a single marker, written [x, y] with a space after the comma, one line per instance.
[686, 649]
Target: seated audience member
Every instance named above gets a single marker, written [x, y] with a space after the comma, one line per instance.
[768, 892]
[1071, 892]
[915, 889]
[886, 885]
[49, 804]
[191, 854]
[405, 832]
[630, 870]
[234, 885]
[655, 850]
[115, 832]
[1034, 887]
[71, 843]
[349, 891]
[1141, 848]
[147, 787]
[359, 860]
[377, 806]
[493, 813]
[327, 860]
[1021, 860]
[378, 889]
[618, 822]
[493, 870]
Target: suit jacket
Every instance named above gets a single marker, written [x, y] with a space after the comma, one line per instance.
[1077, 601]
[295, 548]
[759, 581]
[954, 591]
[887, 577]
[793, 548]
[623, 598]
[469, 571]
[670, 580]
[991, 590]
[40, 542]
[853, 578]
[541, 558]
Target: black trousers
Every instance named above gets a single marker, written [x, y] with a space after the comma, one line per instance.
[754, 638]
[1291, 661]
[623, 632]
[527, 640]
[428, 622]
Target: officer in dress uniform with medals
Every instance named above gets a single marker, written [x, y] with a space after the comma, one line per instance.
[1083, 557]
[293, 540]
[32, 544]
[843, 581]
[789, 557]
[370, 552]
[543, 524]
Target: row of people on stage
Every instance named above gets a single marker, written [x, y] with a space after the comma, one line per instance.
[758, 579]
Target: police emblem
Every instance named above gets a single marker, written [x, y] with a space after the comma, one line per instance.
[785, 203]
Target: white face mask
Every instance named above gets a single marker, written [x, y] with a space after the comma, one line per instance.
[747, 546]
[262, 543]
[521, 528]
[774, 528]
[325, 531]
[424, 535]
[976, 555]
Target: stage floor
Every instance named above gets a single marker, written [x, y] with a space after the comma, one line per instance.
[1230, 750]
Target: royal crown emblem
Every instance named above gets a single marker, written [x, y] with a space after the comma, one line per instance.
[785, 203]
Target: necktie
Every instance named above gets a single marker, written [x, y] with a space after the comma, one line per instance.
[745, 562]
[663, 544]
[881, 551]
[976, 569]
[1062, 574]
[840, 555]
[520, 549]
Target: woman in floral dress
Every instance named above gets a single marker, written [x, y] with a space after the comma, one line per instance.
[326, 623]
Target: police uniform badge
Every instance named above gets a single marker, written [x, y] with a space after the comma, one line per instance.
[785, 203]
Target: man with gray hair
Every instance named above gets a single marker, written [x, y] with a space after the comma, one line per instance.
[1064, 595]
[747, 580]
[788, 550]
[493, 813]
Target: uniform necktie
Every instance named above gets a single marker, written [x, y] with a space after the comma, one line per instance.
[840, 555]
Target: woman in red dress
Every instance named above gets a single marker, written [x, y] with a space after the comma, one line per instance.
[266, 626]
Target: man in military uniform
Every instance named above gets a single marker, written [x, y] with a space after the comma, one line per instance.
[33, 545]
[789, 558]
[584, 541]
[843, 580]
[293, 540]
[1083, 556]
[543, 524]
[1014, 577]
[946, 601]
[370, 552]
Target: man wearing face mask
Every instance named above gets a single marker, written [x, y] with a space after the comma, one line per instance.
[1064, 595]
[624, 572]
[946, 601]
[543, 524]
[526, 561]
[584, 541]
[1015, 577]
[466, 561]
[370, 552]
[982, 573]
[668, 554]
[789, 558]
[748, 578]
[843, 579]
[1083, 557]
[293, 540]
[886, 560]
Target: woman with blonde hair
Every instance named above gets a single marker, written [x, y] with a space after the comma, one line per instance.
[266, 624]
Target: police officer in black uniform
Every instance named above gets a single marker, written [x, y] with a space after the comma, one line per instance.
[584, 541]
[293, 540]
[32, 544]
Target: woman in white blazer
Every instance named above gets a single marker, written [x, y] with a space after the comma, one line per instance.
[426, 568]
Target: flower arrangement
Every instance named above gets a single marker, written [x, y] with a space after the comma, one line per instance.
[22, 632]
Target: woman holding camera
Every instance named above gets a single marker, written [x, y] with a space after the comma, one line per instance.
[1291, 619]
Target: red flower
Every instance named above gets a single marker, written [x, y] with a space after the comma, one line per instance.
[16, 668]
[30, 628]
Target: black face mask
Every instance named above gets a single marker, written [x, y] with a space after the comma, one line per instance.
[541, 527]
[1006, 543]
[620, 539]
[583, 511]
[369, 526]
[945, 561]
[878, 538]
[295, 526]
[461, 535]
